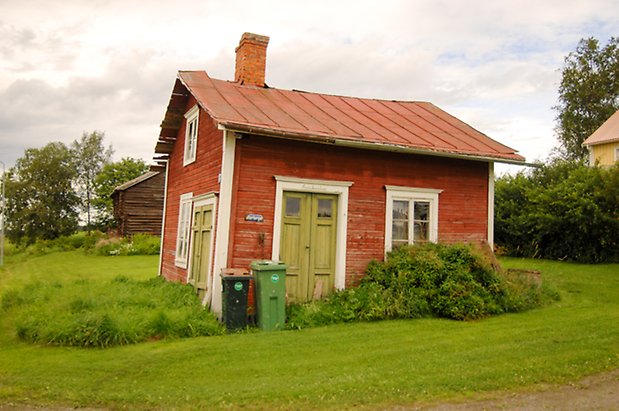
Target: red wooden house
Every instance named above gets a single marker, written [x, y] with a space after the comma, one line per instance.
[324, 183]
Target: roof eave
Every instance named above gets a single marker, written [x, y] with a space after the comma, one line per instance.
[346, 142]
[597, 143]
[128, 184]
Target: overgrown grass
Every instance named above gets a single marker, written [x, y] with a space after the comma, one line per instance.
[387, 364]
[123, 311]
[449, 281]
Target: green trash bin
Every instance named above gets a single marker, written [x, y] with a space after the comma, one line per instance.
[270, 278]
[235, 287]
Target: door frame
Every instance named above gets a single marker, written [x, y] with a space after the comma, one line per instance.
[198, 201]
[304, 185]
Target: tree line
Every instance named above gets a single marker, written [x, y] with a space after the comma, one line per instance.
[51, 189]
[565, 208]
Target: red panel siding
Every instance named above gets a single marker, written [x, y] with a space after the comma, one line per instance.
[462, 204]
[199, 177]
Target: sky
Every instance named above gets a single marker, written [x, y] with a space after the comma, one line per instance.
[69, 67]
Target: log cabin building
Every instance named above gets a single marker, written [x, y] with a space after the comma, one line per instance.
[138, 204]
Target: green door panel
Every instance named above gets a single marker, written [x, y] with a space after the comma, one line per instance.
[308, 243]
[294, 249]
[201, 250]
[323, 226]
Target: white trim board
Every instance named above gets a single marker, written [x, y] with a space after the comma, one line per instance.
[223, 218]
[340, 188]
[163, 217]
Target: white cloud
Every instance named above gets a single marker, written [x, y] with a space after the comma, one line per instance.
[73, 66]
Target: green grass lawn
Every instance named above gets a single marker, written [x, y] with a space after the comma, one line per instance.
[367, 365]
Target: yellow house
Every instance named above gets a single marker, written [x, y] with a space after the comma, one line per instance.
[603, 144]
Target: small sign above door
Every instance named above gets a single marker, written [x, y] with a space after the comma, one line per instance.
[257, 218]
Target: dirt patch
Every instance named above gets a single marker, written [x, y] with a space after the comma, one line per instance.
[598, 392]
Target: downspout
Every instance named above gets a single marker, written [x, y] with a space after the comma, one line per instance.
[165, 202]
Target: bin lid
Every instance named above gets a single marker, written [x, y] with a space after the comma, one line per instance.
[264, 265]
[235, 273]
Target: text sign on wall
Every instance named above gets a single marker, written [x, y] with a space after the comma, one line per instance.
[257, 218]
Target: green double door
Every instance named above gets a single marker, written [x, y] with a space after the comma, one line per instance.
[308, 244]
[201, 254]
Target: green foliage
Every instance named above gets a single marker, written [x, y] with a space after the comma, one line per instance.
[366, 303]
[123, 311]
[80, 240]
[365, 365]
[588, 94]
[563, 210]
[450, 281]
[94, 242]
[139, 244]
[90, 156]
[111, 176]
[40, 200]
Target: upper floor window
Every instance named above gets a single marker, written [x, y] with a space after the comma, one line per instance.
[411, 217]
[191, 135]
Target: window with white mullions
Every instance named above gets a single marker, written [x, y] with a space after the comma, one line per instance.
[421, 221]
[191, 136]
[411, 217]
[400, 222]
[184, 227]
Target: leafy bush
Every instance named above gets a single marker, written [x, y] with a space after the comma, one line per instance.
[561, 211]
[451, 281]
[123, 312]
[139, 244]
[10, 248]
[80, 240]
[362, 303]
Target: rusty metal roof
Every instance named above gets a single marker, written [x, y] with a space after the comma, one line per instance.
[368, 123]
[606, 133]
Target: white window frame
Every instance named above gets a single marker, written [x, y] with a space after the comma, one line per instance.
[191, 135]
[616, 153]
[185, 211]
[411, 194]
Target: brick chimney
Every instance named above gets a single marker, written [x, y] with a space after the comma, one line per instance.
[251, 57]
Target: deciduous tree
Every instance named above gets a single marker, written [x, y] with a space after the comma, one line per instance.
[41, 201]
[90, 157]
[588, 94]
